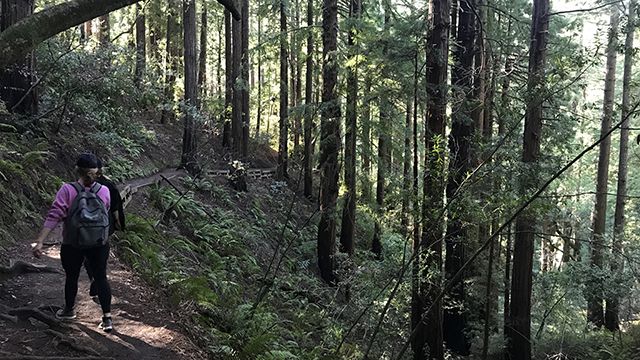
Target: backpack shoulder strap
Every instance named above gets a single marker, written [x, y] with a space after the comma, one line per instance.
[95, 188]
[77, 186]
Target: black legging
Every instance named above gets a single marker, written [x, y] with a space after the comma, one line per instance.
[72, 259]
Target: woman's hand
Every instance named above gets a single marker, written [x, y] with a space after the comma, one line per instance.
[36, 248]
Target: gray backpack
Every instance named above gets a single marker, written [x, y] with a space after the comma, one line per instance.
[87, 223]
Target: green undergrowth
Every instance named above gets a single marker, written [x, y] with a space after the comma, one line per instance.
[591, 345]
[215, 258]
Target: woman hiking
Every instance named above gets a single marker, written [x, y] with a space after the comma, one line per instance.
[83, 208]
[116, 218]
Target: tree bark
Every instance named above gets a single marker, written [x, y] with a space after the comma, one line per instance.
[519, 323]
[384, 149]
[366, 140]
[172, 54]
[188, 159]
[228, 80]
[202, 58]
[428, 331]
[461, 161]
[349, 209]
[260, 52]
[297, 89]
[611, 316]
[16, 80]
[406, 168]
[283, 147]
[237, 84]
[309, 111]
[507, 282]
[245, 80]
[104, 29]
[88, 29]
[141, 47]
[416, 300]
[329, 141]
[595, 313]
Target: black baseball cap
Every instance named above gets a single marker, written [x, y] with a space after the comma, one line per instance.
[87, 161]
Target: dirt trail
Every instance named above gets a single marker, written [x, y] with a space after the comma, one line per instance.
[144, 325]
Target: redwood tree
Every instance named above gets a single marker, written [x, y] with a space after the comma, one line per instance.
[245, 79]
[236, 78]
[518, 329]
[595, 296]
[16, 81]
[283, 140]
[329, 141]
[349, 209]
[427, 327]
[202, 58]
[308, 114]
[188, 159]
[460, 139]
[228, 80]
[172, 59]
[611, 318]
[141, 48]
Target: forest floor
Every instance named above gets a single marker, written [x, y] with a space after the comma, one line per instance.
[145, 327]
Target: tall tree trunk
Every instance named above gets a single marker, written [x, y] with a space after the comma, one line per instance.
[283, 146]
[349, 209]
[236, 113]
[487, 305]
[507, 282]
[155, 12]
[88, 29]
[384, 149]
[366, 140]
[519, 326]
[329, 141]
[309, 111]
[491, 296]
[416, 300]
[595, 313]
[406, 168]
[219, 81]
[141, 48]
[172, 54]
[16, 80]
[297, 89]
[104, 29]
[202, 58]
[259, 55]
[611, 316]
[462, 134]
[429, 330]
[245, 79]
[228, 80]
[190, 86]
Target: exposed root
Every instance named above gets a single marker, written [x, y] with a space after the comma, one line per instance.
[26, 313]
[72, 343]
[21, 267]
[11, 356]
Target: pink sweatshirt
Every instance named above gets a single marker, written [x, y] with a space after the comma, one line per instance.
[63, 201]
